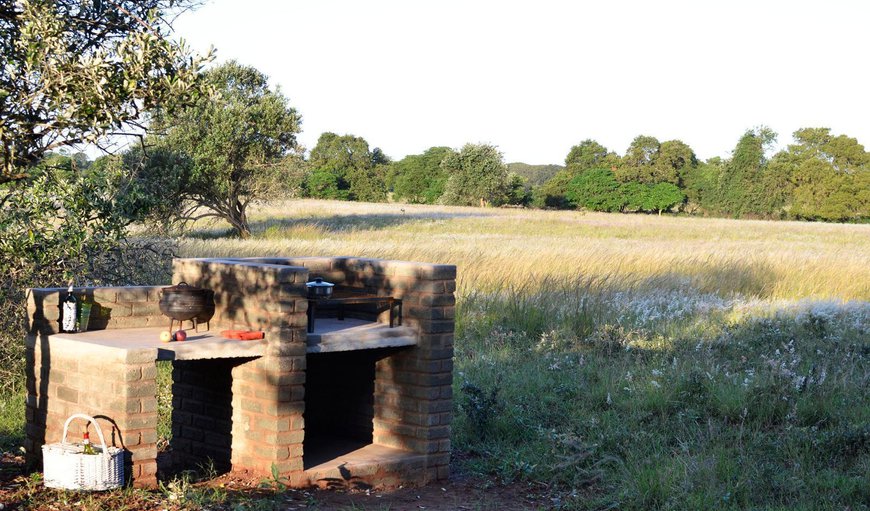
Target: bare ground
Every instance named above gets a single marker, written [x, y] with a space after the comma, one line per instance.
[20, 490]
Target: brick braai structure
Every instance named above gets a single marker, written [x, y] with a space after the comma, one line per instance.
[359, 404]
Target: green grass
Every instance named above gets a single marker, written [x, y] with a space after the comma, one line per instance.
[11, 422]
[734, 409]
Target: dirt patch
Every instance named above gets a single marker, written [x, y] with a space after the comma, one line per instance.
[20, 490]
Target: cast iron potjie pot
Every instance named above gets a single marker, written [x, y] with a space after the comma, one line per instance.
[318, 288]
[184, 302]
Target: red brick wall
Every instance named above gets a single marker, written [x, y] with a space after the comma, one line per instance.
[267, 393]
[265, 396]
[120, 392]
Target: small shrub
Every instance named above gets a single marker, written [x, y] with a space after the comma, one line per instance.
[480, 406]
[609, 339]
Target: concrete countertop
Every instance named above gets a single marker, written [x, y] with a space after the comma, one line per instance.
[199, 345]
[330, 335]
[350, 334]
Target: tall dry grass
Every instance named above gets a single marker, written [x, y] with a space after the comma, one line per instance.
[498, 247]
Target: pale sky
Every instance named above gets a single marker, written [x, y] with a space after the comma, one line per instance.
[535, 78]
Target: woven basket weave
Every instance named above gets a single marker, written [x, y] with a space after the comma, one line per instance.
[67, 468]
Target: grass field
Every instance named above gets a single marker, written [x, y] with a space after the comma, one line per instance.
[630, 361]
[634, 362]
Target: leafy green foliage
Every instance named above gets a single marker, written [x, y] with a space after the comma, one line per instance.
[231, 148]
[552, 193]
[477, 177]
[73, 71]
[595, 189]
[700, 184]
[831, 176]
[662, 197]
[739, 188]
[587, 155]
[420, 179]
[650, 162]
[358, 173]
[65, 225]
[518, 193]
[323, 184]
[634, 195]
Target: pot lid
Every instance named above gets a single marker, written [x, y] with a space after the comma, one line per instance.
[319, 282]
[183, 287]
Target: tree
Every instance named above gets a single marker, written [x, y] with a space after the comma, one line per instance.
[75, 71]
[477, 177]
[649, 161]
[552, 193]
[518, 190]
[831, 176]
[739, 191]
[674, 160]
[322, 184]
[634, 196]
[235, 141]
[642, 151]
[637, 164]
[586, 155]
[662, 197]
[71, 72]
[63, 226]
[355, 168]
[700, 185]
[420, 179]
[595, 189]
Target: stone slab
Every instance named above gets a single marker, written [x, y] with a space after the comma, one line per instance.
[331, 335]
[198, 346]
[365, 462]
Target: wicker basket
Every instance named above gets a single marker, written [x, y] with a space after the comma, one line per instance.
[67, 468]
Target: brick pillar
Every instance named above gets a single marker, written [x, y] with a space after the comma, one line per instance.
[413, 388]
[267, 392]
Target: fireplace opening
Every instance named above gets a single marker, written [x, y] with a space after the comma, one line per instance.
[339, 403]
[202, 415]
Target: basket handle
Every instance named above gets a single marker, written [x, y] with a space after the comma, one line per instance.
[89, 419]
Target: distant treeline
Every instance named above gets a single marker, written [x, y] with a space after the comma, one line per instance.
[820, 176]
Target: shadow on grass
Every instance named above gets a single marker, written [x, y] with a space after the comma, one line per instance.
[274, 226]
[755, 279]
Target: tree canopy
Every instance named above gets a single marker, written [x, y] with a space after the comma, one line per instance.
[343, 167]
[477, 177]
[831, 176]
[75, 71]
[231, 147]
[595, 189]
[587, 155]
[420, 179]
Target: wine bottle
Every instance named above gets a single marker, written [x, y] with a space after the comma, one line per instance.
[70, 314]
[87, 448]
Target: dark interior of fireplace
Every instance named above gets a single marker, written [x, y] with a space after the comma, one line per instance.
[339, 403]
